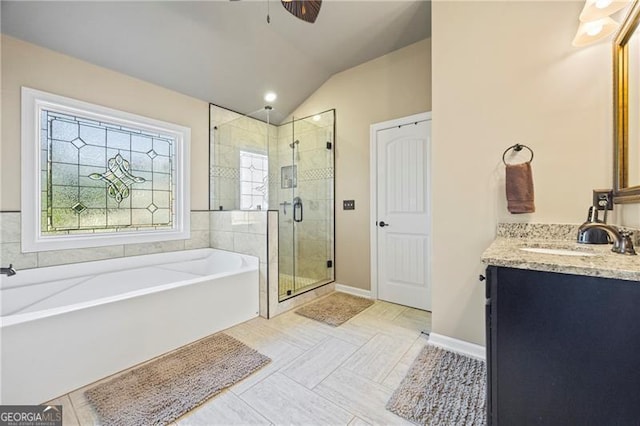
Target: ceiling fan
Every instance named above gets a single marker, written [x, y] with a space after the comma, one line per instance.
[307, 10]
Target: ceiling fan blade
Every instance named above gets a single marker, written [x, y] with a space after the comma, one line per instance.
[307, 10]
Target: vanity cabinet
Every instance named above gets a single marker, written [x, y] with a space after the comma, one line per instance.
[562, 349]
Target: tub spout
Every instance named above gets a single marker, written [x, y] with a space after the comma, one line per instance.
[8, 271]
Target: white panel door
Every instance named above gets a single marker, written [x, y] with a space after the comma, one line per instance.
[402, 221]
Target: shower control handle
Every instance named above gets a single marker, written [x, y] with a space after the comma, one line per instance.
[382, 224]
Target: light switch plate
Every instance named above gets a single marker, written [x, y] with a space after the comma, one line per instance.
[348, 204]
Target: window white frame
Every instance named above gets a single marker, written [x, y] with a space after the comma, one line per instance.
[33, 240]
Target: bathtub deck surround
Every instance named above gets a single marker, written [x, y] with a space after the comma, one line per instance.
[327, 375]
[120, 312]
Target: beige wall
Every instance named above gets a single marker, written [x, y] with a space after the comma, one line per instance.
[25, 64]
[392, 86]
[505, 72]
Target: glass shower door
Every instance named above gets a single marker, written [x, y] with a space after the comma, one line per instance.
[307, 228]
[313, 219]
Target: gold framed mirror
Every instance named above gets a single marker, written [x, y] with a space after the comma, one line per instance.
[626, 109]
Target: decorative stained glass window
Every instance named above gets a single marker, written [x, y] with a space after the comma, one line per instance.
[102, 173]
[254, 181]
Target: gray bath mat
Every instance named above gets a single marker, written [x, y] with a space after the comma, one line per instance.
[335, 308]
[442, 388]
[164, 389]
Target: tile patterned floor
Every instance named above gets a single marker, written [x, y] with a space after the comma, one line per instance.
[319, 375]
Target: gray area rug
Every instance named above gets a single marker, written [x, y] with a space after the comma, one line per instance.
[442, 388]
[335, 309]
[164, 389]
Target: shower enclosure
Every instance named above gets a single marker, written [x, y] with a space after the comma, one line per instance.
[303, 194]
[256, 165]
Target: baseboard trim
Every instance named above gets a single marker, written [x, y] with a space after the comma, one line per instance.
[460, 346]
[353, 290]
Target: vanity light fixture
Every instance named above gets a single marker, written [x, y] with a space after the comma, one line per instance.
[593, 31]
[595, 21]
[270, 97]
[598, 9]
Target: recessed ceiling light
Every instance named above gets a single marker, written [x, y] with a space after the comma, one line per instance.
[317, 117]
[270, 97]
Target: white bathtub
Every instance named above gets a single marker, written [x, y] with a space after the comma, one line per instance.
[63, 327]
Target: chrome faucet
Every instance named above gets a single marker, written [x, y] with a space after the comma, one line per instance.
[8, 271]
[622, 243]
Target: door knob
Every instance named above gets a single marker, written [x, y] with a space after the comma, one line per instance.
[382, 224]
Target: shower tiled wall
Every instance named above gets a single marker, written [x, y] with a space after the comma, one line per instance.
[10, 251]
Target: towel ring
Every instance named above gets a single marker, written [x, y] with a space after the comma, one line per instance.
[517, 147]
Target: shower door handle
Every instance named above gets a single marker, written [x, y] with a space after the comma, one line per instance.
[298, 210]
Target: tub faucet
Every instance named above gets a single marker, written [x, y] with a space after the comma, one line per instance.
[8, 271]
[622, 243]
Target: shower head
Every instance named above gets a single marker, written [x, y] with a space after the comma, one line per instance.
[293, 144]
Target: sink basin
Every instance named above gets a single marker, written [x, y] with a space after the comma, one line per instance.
[561, 252]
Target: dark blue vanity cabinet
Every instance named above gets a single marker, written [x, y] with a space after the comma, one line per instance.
[562, 349]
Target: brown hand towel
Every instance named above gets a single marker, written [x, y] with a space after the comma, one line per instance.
[519, 184]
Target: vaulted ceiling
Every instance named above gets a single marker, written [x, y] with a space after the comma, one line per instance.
[223, 52]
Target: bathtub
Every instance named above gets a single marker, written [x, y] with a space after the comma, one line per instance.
[64, 327]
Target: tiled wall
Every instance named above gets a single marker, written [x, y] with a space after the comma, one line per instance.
[244, 232]
[10, 251]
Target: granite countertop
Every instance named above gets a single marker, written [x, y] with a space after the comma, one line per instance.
[505, 251]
